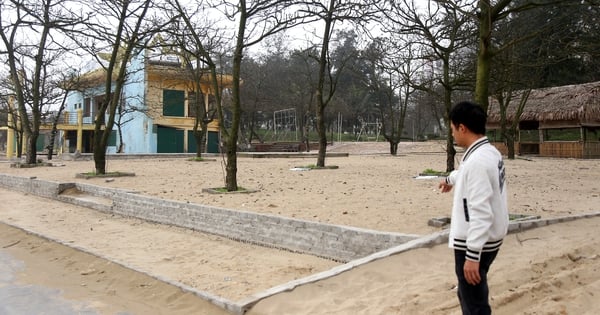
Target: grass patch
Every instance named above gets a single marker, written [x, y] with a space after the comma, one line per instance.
[444, 221]
[107, 174]
[200, 159]
[521, 217]
[315, 167]
[432, 172]
[223, 190]
[39, 163]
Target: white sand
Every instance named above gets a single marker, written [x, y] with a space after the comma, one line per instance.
[370, 189]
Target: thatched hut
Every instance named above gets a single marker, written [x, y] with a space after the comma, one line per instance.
[559, 121]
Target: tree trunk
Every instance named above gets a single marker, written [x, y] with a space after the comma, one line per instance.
[232, 135]
[51, 145]
[484, 55]
[320, 93]
[199, 146]
[231, 167]
[305, 134]
[322, 135]
[200, 137]
[393, 148]
[19, 144]
[31, 149]
[510, 145]
[99, 155]
[450, 152]
[121, 145]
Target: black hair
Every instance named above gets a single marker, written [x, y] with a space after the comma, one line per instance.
[469, 114]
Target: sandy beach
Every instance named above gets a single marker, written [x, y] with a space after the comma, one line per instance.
[542, 271]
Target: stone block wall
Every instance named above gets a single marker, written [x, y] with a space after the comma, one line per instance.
[340, 243]
[32, 185]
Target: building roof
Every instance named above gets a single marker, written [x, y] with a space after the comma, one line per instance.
[579, 104]
[164, 70]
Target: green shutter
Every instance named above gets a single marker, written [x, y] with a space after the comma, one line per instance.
[112, 139]
[173, 103]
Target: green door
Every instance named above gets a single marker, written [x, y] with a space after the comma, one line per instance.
[192, 147]
[40, 144]
[213, 142]
[170, 140]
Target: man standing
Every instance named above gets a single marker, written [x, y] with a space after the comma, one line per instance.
[479, 212]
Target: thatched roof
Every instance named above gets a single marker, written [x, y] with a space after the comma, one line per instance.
[579, 104]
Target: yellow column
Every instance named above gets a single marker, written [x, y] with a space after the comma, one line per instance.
[10, 136]
[79, 130]
[206, 102]
[25, 138]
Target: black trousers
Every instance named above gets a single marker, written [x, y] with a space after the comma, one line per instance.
[474, 299]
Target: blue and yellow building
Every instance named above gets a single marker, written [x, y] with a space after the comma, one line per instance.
[157, 110]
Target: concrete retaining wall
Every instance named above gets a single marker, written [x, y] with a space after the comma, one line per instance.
[340, 243]
[32, 185]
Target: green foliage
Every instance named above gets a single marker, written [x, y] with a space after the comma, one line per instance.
[315, 167]
[107, 174]
[224, 189]
[432, 172]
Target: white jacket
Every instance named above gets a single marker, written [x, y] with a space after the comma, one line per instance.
[479, 212]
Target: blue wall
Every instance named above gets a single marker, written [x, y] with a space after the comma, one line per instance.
[137, 133]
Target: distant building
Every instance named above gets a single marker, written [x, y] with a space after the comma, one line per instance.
[157, 106]
[562, 121]
[157, 110]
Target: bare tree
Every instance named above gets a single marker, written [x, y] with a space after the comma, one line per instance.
[395, 64]
[508, 129]
[256, 20]
[331, 13]
[303, 69]
[66, 83]
[446, 35]
[528, 43]
[31, 51]
[257, 93]
[120, 29]
[197, 41]
[124, 115]
[488, 15]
